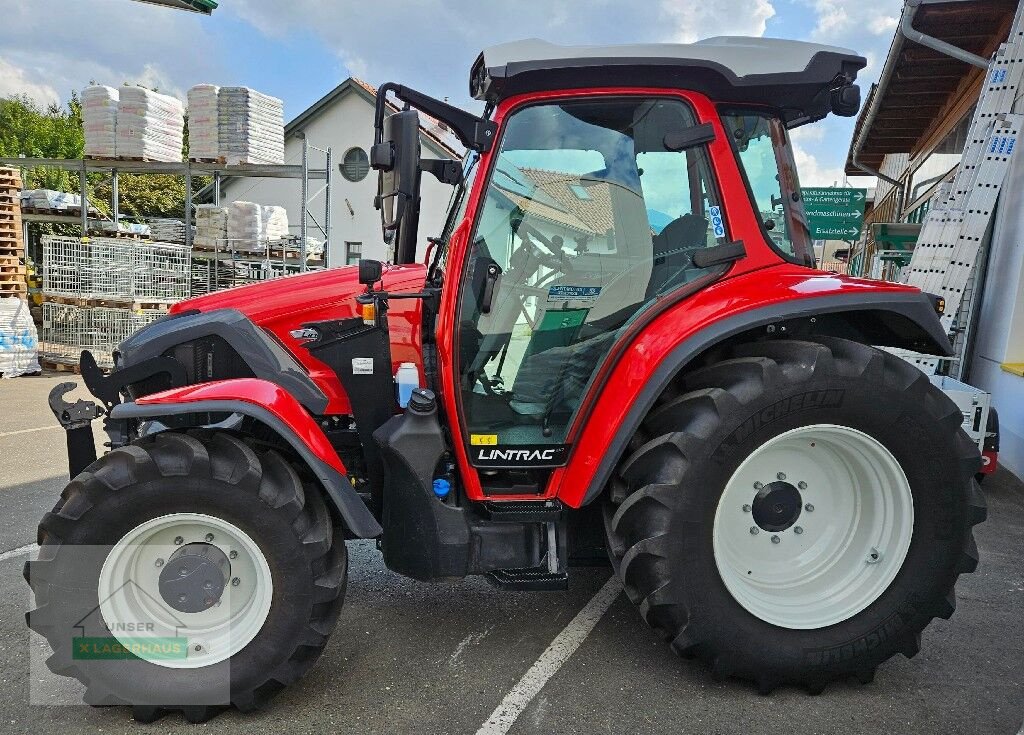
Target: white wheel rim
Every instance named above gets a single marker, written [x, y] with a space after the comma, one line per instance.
[130, 597]
[856, 520]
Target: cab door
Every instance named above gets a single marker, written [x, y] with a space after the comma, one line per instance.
[591, 212]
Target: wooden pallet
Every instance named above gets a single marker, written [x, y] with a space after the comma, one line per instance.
[220, 160]
[82, 302]
[9, 269]
[50, 363]
[14, 288]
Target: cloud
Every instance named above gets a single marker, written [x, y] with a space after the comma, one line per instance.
[109, 42]
[696, 20]
[430, 44]
[15, 81]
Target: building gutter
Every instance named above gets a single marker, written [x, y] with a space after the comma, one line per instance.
[905, 30]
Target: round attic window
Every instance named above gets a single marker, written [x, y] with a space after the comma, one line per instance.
[355, 164]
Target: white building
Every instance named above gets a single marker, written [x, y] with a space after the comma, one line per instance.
[343, 121]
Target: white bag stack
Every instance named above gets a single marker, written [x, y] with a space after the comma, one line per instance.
[275, 222]
[99, 121]
[245, 226]
[251, 126]
[19, 342]
[211, 227]
[149, 125]
[203, 130]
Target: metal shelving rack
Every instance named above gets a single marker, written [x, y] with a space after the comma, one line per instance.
[188, 169]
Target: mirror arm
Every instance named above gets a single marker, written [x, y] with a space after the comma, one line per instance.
[444, 170]
[473, 132]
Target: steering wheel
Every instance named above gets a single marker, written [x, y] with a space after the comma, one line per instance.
[549, 255]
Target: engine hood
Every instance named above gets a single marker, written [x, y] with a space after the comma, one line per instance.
[299, 294]
[284, 305]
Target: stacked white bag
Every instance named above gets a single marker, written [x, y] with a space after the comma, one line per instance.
[211, 227]
[203, 130]
[99, 121]
[19, 342]
[275, 222]
[251, 126]
[149, 125]
[245, 226]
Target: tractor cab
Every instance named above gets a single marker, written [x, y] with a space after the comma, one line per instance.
[604, 180]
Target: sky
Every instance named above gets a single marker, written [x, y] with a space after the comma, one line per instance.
[300, 49]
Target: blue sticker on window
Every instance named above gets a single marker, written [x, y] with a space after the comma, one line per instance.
[716, 221]
[573, 293]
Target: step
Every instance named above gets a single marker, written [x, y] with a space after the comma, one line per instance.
[535, 579]
[524, 511]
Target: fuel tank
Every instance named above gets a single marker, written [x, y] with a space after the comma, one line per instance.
[285, 304]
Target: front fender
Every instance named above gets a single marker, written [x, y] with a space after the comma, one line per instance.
[276, 408]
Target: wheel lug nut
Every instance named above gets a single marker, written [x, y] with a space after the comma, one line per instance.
[776, 539]
[781, 476]
[746, 508]
[797, 530]
[802, 485]
[159, 562]
[758, 485]
[754, 530]
[235, 582]
[178, 540]
[209, 538]
[809, 508]
[233, 555]
[198, 648]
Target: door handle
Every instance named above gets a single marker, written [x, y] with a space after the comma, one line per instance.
[493, 271]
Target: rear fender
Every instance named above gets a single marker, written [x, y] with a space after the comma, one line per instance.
[273, 406]
[784, 301]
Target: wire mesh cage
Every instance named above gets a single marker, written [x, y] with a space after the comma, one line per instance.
[116, 269]
[69, 329]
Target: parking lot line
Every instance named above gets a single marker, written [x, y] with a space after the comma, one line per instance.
[28, 431]
[21, 550]
[556, 654]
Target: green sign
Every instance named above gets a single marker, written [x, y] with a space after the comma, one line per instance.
[834, 214]
[112, 649]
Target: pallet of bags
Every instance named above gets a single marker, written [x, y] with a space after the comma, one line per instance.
[211, 227]
[251, 126]
[203, 130]
[19, 341]
[274, 222]
[245, 227]
[99, 121]
[150, 126]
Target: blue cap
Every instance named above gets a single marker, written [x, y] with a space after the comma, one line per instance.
[442, 487]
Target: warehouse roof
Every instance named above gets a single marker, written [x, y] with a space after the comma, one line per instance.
[919, 82]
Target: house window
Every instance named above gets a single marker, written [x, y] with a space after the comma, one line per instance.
[579, 191]
[355, 164]
[353, 252]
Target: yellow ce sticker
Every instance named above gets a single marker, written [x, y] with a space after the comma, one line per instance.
[483, 439]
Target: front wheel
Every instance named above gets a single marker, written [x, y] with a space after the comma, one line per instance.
[797, 513]
[187, 572]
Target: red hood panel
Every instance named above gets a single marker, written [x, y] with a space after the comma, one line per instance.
[285, 304]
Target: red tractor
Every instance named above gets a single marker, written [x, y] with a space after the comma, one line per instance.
[617, 346]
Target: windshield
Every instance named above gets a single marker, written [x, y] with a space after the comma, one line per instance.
[766, 158]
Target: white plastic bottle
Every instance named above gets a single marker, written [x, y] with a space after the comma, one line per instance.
[407, 378]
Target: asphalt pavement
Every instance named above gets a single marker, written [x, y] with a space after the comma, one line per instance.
[408, 657]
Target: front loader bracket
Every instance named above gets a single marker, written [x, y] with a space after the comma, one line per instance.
[76, 419]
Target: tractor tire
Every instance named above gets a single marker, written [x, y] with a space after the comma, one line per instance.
[796, 514]
[284, 567]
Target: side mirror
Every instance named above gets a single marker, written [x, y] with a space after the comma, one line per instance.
[370, 271]
[397, 158]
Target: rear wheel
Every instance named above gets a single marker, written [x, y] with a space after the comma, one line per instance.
[797, 513]
[187, 572]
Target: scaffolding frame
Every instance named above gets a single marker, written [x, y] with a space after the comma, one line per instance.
[187, 169]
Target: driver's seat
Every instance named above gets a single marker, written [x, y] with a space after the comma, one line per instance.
[673, 248]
